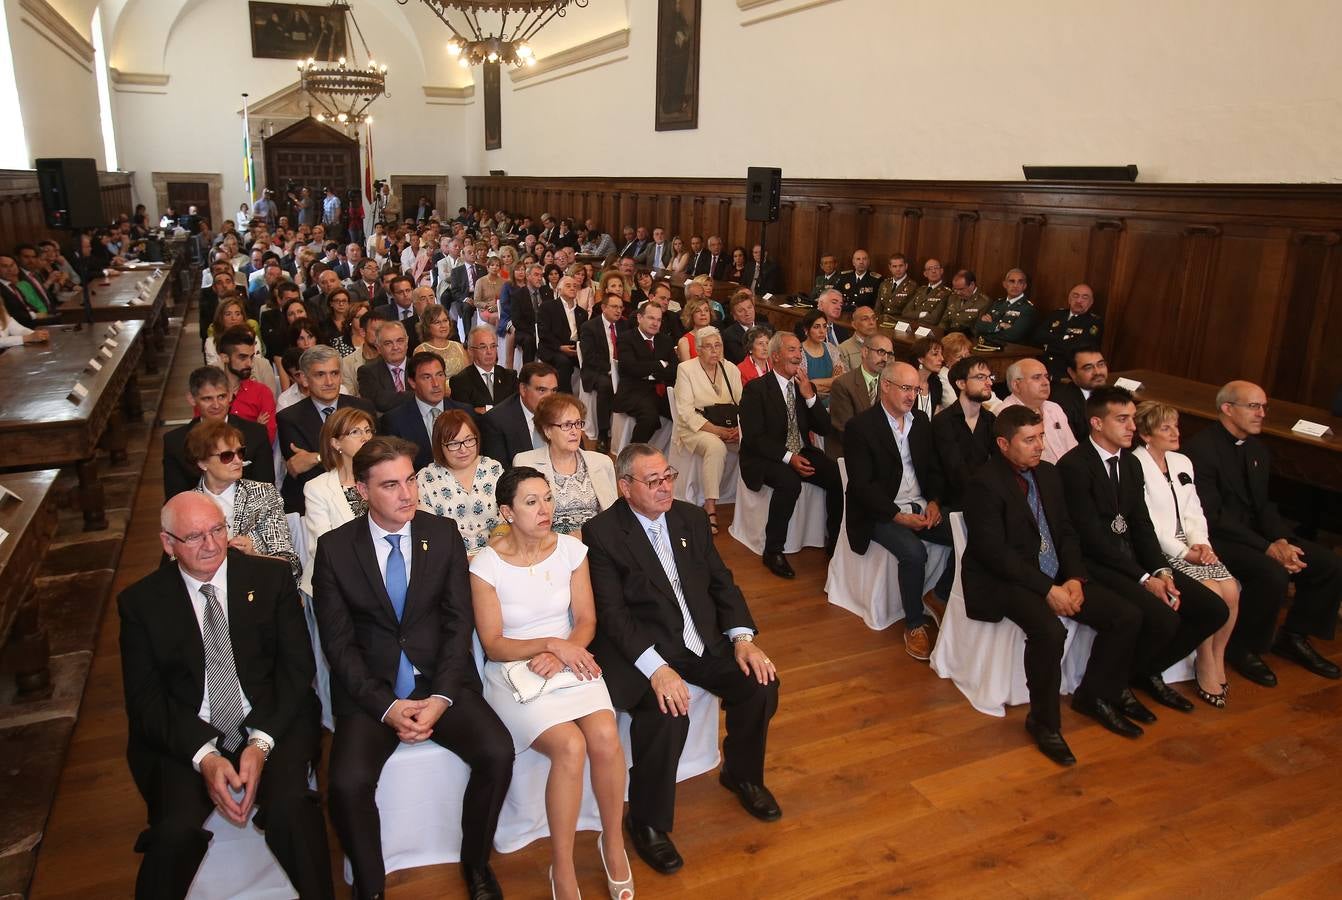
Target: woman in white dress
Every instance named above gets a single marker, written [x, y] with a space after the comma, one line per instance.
[534, 613]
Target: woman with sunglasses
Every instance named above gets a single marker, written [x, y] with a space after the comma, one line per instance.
[583, 481]
[252, 510]
[459, 483]
[331, 499]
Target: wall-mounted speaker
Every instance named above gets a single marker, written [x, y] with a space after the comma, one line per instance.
[71, 197]
[1080, 173]
[764, 191]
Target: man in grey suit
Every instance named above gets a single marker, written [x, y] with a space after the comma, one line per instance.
[656, 253]
[854, 391]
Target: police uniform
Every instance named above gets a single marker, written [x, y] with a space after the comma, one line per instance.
[1011, 321]
[891, 298]
[927, 306]
[1062, 331]
[824, 282]
[858, 290]
[962, 313]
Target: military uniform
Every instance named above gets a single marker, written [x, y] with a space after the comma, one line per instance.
[891, 298]
[928, 304]
[858, 290]
[1010, 321]
[1061, 331]
[824, 282]
[962, 314]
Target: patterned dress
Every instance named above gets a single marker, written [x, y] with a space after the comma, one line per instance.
[357, 505]
[475, 510]
[575, 499]
[1213, 572]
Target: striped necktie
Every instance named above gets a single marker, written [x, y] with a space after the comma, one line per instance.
[221, 673]
[693, 642]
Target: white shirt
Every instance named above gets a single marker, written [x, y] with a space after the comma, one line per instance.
[910, 491]
[225, 502]
[785, 385]
[426, 413]
[491, 381]
[289, 396]
[383, 549]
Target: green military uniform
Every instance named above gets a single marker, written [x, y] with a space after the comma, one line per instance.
[928, 304]
[824, 282]
[859, 290]
[962, 314]
[1008, 321]
[1062, 331]
[891, 297]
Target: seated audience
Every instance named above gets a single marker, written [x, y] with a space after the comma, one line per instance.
[482, 383]
[1028, 381]
[963, 431]
[25, 300]
[934, 389]
[679, 263]
[13, 333]
[1231, 464]
[300, 425]
[597, 339]
[695, 314]
[436, 333]
[965, 304]
[1066, 328]
[510, 428]
[382, 381]
[864, 326]
[583, 481]
[513, 293]
[335, 330]
[252, 400]
[736, 268]
[485, 298]
[230, 313]
[859, 284]
[828, 276]
[413, 420]
[822, 357]
[646, 360]
[1107, 500]
[854, 392]
[210, 396]
[367, 323]
[742, 309]
[895, 290]
[664, 618]
[778, 416]
[1086, 371]
[532, 597]
[954, 347]
[331, 499]
[401, 307]
[756, 362]
[557, 324]
[1011, 319]
[707, 387]
[296, 390]
[1181, 528]
[460, 483]
[1023, 562]
[927, 304]
[762, 275]
[393, 685]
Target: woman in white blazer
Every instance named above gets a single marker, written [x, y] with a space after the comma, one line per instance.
[1176, 513]
[582, 482]
[15, 334]
[331, 498]
[702, 382]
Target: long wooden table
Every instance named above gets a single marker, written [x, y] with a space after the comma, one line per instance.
[40, 427]
[118, 298]
[1299, 457]
[30, 522]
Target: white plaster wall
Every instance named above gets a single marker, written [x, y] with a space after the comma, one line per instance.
[58, 95]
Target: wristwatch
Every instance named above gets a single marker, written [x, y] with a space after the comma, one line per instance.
[260, 744]
[747, 637]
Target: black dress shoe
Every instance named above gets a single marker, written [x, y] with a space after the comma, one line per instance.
[1163, 694]
[1133, 709]
[1298, 648]
[1252, 667]
[754, 797]
[778, 564]
[1050, 743]
[480, 882]
[1106, 714]
[654, 847]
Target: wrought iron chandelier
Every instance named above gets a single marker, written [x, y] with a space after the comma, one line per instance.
[344, 88]
[508, 41]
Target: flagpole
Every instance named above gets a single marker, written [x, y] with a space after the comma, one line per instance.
[248, 167]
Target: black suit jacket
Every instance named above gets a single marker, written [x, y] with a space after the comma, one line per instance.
[301, 425]
[734, 339]
[875, 471]
[405, 422]
[596, 361]
[469, 388]
[1073, 402]
[460, 285]
[637, 362]
[19, 310]
[410, 322]
[764, 426]
[552, 326]
[180, 474]
[1232, 485]
[377, 387]
[163, 661]
[636, 606]
[770, 280]
[961, 452]
[698, 264]
[504, 432]
[1003, 539]
[1093, 506]
[361, 636]
[524, 316]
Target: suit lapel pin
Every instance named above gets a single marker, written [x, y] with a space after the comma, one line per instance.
[683, 544]
[251, 595]
[424, 545]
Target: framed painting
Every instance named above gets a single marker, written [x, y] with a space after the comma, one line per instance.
[296, 31]
[493, 113]
[677, 65]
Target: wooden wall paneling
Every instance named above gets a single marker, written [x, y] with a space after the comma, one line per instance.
[912, 217]
[1147, 288]
[780, 232]
[1060, 261]
[1319, 343]
[1029, 233]
[821, 246]
[723, 221]
[962, 244]
[995, 237]
[842, 235]
[1101, 254]
[884, 235]
[936, 239]
[864, 212]
[739, 232]
[1187, 315]
[1234, 337]
[800, 258]
[610, 214]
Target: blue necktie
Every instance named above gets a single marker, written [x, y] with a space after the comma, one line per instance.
[397, 584]
[1048, 554]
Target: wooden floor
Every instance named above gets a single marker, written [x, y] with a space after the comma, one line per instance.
[889, 781]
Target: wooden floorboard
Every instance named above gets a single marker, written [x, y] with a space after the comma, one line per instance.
[890, 782]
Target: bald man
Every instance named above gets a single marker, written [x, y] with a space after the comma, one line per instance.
[1077, 325]
[1011, 319]
[218, 671]
[1232, 465]
[859, 284]
[1030, 385]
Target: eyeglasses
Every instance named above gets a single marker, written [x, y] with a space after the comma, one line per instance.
[879, 351]
[906, 388]
[1255, 407]
[574, 425]
[981, 376]
[361, 431]
[484, 346]
[463, 444]
[668, 477]
[227, 456]
[218, 533]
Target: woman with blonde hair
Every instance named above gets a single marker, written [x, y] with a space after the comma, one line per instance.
[694, 315]
[331, 499]
[435, 330]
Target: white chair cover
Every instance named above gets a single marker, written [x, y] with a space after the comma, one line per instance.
[622, 429]
[689, 486]
[868, 585]
[238, 866]
[807, 528]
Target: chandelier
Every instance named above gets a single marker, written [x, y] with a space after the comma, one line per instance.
[344, 88]
[507, 41]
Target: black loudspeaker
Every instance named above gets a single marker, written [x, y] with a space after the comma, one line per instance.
[71, 197]
[1080, 173]
[764, 189]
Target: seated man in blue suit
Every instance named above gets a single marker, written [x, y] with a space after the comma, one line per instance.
[413, 421]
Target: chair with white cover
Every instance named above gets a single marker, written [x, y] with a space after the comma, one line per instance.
[622, 430]
[238, 864]
[689, 486]
[806, 529]
[867, 585]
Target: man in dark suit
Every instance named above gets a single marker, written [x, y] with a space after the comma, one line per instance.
[778, 415]
[413, 420]
[698, 264]
[208, 390]
[1023, 562]
[963, 431]
[218, 669]
[483, 384]
[894, 494]
[394, 609]
[509, 428]
[402, 306]
[599, 337]
[557, 325]
[646, 361]
[1257, 546]
[461, 284]
[762, 275]
[656, 253]
[384, 381]
[743, 319]
[24, 299]
[668, 612]
[1107, 501]
[711, 262]
[1067, 328]
[1087, 371]
[524, 315]
[300, 425]
[368, 287]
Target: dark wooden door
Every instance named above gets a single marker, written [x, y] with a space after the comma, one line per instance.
[309, 154]
[183, 194]
[410, 194]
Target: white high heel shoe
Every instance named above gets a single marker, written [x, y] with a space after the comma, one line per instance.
[619, 890]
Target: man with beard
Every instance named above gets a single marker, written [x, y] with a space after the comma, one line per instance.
[963, 431]
[1087, 370]
[252, 400]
